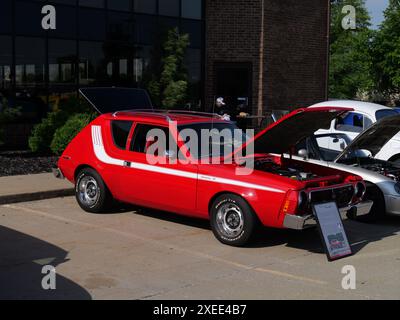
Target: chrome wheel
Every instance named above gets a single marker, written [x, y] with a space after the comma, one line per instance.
[89, 191]
[230, 220]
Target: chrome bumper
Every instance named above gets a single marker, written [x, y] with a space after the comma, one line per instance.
[307, 221]
[57, 173]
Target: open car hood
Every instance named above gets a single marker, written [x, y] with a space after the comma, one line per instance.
[374, 138]
[107, 100]
[284, 134]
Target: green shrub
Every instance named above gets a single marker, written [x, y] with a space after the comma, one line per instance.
[7, 114]
[64, 135]
[42, 134]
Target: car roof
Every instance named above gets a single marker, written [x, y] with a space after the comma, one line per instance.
[165, 117]
[356, 105]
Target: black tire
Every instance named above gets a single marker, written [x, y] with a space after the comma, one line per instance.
[378, 208]
[245, 226]
[91, 192]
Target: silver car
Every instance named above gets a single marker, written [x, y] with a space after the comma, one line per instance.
[358, 157]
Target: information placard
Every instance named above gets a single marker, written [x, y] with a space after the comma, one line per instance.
[332, 231]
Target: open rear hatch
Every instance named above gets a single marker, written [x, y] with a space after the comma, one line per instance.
[109, 100]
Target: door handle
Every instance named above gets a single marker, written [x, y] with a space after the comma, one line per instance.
[127, 164]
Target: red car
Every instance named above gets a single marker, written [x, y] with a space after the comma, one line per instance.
[107, 160]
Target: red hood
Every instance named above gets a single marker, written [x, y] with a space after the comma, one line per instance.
[280, 136]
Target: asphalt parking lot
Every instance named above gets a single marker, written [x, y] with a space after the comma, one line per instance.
[142, 254]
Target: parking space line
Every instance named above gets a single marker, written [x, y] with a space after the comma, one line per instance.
[171, 246]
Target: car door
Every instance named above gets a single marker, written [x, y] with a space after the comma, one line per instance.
[163, 185]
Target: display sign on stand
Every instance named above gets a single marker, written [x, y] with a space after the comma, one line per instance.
[332, 231]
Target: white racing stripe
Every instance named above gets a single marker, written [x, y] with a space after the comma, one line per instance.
[102, 155]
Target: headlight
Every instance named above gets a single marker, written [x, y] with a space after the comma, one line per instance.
[359, 190]
[397, 187]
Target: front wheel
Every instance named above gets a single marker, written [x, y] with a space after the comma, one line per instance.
[232, 220]
[91, 192]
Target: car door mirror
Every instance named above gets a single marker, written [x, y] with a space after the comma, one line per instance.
[363, 153]
[303, 153]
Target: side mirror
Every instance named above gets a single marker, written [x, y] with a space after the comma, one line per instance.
[303, 153]
[363, 153]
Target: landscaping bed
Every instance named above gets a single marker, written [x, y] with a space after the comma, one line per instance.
[25, 162]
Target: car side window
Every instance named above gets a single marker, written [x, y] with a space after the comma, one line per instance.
[351, 122]
[142, 138]
[120, 132]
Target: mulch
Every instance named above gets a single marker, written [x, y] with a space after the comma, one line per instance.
[24, 162]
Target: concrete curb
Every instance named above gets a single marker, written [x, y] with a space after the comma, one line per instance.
[42, 195]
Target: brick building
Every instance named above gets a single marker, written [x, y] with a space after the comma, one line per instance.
[272, 51]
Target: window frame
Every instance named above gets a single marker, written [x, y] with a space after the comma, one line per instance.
[113, 136]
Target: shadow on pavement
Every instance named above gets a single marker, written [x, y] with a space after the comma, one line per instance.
[359, 234]
[21, 261]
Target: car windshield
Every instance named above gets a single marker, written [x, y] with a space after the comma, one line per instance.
[212, 139]
[380, 114]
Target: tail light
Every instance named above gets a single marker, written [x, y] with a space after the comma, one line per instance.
[296, 202]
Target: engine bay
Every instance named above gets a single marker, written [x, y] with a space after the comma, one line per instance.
[292, 171]
[384, 168]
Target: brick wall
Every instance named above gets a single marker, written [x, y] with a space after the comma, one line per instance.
[294, 66]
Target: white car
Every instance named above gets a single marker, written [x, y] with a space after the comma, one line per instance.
[382, 177]
[353, 123]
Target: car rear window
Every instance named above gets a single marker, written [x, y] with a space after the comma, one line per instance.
[380, 114]
[120, 132]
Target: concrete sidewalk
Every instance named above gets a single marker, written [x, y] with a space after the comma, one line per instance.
[33, 187]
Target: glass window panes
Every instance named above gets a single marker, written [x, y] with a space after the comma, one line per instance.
[120, 132]
[145, 29]
[5, 16]
[120, 26]
[168, 8]
[28, 17]
[92, 3]
[193, 28]
[30, 64]
[62, 61]
[146, 6]
[5, 62]
[121, 5]
[92, 63]
[66, 23]
[92, 24]
[191, 9]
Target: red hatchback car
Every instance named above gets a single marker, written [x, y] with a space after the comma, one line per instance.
[107, 160]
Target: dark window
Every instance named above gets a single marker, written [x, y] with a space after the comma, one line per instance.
[120, 26]
[380, 114]
[146, 6]
[92, 64]
[145, 29]
[92, 24]
[121, 5]
[69, 2]
[28, 18]
[352, 122]
[5, 62]
[120, 132]
[5, 16]
[30, 61]
[193, 28]
[92, 3]
[66, 23]
[62, 61]
[142, 139]
[168, 8]
[191, 9]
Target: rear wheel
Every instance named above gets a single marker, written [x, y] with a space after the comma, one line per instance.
[378, 208]
[91, 192]
[232, 220]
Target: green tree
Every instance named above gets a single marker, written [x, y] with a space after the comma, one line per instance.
[350, 52]
[386, 50]
[169, 87]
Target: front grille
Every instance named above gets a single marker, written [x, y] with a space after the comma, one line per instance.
[342, 196]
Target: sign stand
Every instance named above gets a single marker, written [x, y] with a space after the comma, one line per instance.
[332, 231]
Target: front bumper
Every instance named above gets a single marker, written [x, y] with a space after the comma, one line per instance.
[303, 222]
